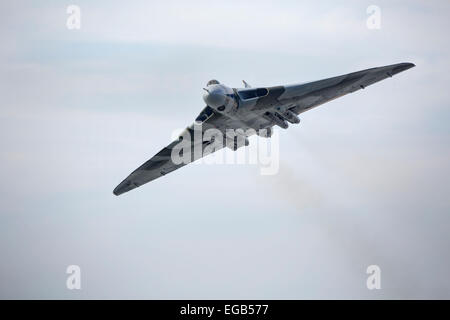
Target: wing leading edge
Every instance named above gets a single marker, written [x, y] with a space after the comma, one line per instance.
[156, 167]
[162, 163]
[312, 94]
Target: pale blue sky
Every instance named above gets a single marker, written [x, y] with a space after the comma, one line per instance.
[363, 180]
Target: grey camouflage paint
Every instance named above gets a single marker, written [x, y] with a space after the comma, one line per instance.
[277, 105]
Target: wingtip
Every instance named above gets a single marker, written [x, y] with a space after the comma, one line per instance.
[400, 67]
[116, 191]
[119, 189]
[124, 186]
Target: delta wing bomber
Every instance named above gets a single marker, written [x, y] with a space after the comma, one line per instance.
[245, 112]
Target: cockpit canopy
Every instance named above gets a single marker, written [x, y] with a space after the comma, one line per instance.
[253, 93]
[213, 81]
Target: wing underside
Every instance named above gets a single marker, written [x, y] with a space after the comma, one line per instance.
[299, 98]
[309, 95]
[162, 163]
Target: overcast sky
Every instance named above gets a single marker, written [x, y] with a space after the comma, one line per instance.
[363, 179]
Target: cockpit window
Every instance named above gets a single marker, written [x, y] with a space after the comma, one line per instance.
[210, 82]
[205, 114]
[253, 93]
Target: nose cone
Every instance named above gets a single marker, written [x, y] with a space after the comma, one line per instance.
[214, 98]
